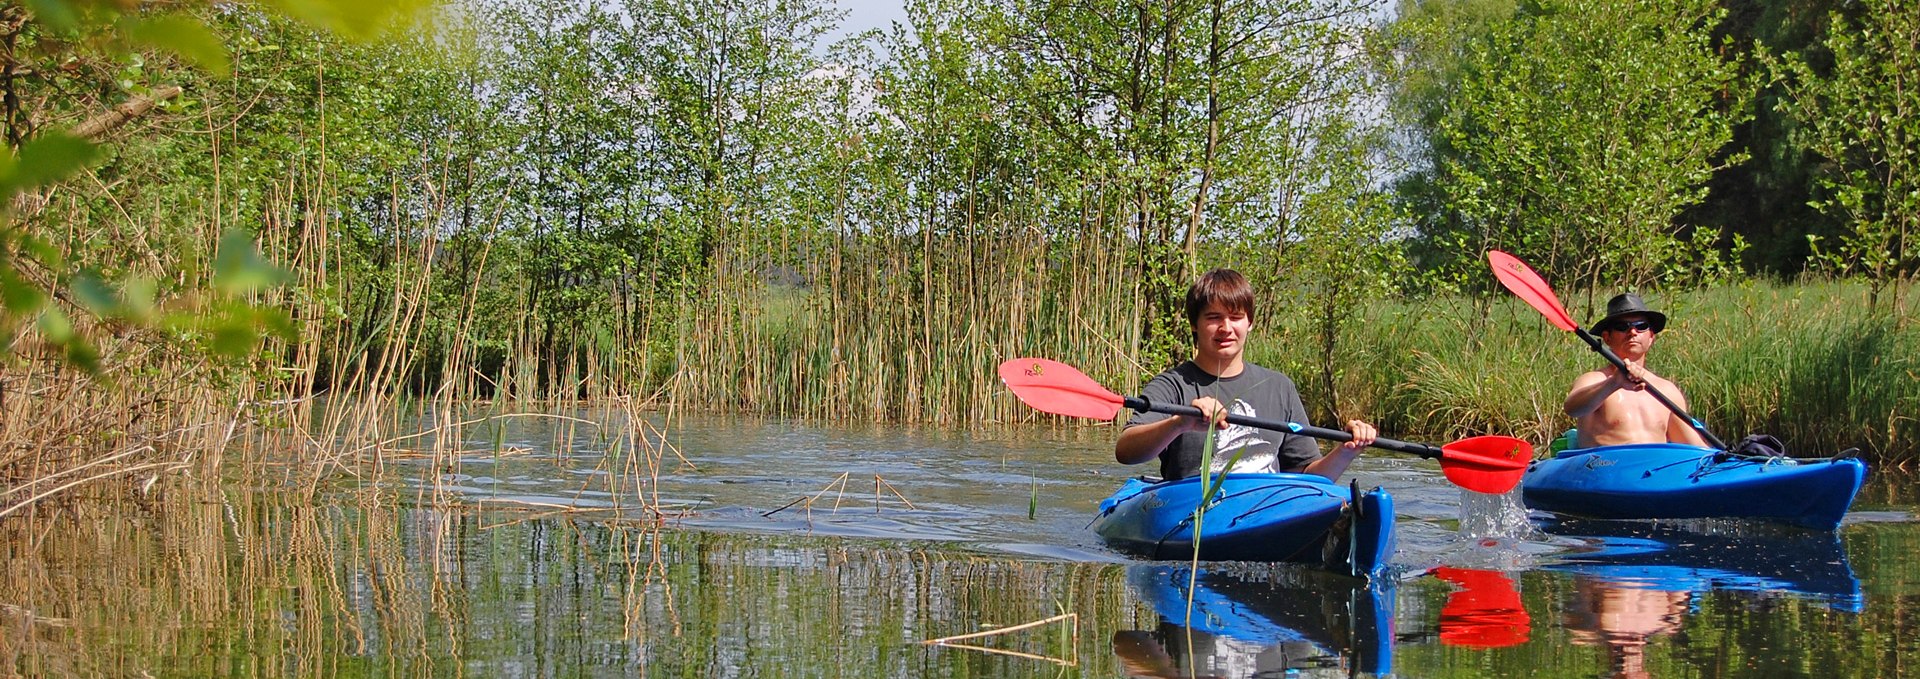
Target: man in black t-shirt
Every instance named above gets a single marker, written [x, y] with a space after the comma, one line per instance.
[1219, 381]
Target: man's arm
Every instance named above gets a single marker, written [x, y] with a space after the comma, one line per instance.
[1333, 464]
[1142, 442]
[1589, 391]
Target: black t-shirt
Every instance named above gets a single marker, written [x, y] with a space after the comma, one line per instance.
[1255, 392]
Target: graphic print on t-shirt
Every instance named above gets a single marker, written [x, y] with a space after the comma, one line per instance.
[1237, 436]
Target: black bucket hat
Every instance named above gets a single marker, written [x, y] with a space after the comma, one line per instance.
[1625, 304]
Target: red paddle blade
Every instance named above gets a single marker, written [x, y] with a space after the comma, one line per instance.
[1484, 613]
[1486, 464]
[1055, 387]
[1529, 287]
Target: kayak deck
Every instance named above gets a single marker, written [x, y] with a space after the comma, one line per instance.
[1674, 481]
[1254, 517]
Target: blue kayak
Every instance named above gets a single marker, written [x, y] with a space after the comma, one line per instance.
[1674, 481]
[1254, 517]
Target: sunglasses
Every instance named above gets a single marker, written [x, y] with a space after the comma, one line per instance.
[1627, 326]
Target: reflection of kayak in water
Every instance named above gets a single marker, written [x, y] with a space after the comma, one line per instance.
[1263, 618]
[1695, 558]
[1254, 517]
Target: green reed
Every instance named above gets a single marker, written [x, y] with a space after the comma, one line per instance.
[1806, 362]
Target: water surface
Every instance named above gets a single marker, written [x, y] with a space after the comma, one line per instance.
[776, 548]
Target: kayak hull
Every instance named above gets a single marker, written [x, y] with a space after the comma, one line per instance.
[1254, 517]
[1673, 481]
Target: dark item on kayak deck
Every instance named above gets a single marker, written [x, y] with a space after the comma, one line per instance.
[1759, 445]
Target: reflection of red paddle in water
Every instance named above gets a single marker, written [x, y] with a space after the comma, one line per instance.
[1484, 613]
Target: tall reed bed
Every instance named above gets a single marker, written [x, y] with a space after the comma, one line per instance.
[159, 406]
[913, 331]
[909, 326]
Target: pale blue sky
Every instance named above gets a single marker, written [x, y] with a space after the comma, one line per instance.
[865, 14]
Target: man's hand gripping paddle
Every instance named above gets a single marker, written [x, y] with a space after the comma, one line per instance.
[1486, 464]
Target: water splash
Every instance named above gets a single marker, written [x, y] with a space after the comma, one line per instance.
[1494, 517]
[1494, 534]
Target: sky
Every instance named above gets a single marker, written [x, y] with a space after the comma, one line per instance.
[865, 14]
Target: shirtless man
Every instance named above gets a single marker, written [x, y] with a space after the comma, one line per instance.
[1610, 407]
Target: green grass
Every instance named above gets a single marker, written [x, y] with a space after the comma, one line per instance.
[1806, 362]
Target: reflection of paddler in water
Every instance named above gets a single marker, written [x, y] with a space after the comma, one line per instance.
[1623, 618]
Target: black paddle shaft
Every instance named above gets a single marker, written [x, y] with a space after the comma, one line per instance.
[1675, 407]
[1423, 450]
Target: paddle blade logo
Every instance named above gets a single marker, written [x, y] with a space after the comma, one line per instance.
[1036, 370]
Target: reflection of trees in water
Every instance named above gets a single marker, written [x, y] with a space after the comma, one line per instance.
[1622, 618]
[214, 579]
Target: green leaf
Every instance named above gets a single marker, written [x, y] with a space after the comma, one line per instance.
[82, 354]
[41, 251]
[93, 293]
[137, 296]
[275, 322]
[55, 326]
[234, 337]
[47, 158]
[56, 13]
[181, 35]
[239, 268]
[19, 296]
[360, 19]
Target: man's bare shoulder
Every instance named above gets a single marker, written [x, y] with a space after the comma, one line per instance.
[1669, 388]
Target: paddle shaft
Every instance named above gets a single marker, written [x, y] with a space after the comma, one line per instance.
[1421, 449]
[1675, 407]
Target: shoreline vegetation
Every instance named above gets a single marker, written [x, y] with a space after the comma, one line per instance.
[659, 205]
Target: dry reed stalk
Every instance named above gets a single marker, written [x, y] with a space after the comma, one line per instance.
[1073, 618]
[61, 430]
[1065, 662]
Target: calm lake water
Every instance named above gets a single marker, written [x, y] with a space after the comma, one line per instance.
[756, 548]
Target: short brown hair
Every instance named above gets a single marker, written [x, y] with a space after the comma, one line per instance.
[1224, 286]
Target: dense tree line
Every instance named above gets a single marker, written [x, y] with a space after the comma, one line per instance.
[539, 197]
